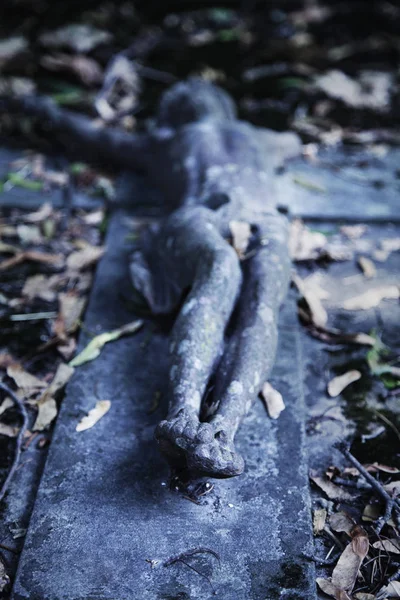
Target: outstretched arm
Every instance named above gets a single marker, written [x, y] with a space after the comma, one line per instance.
[77, 133]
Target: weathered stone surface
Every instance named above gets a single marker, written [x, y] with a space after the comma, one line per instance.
[104, 508]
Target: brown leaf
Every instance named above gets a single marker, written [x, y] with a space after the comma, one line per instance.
[332, 590]
[339, 383]
[340, 521]
[241, 232]
[40, 286]
[392, 545]
[8, 430]
[392, 590]
[353, 232]
[359, 542]
[364, 596]
[371, 298]
[23, 379]
[83, 259]
[387, 246]
[29, 234]
[71, 307]
[305, 244]
[367, 267]
[334, 492]
[312, 294]
[334, 336]
[273, 400]
[102, 407]
[345, 573]
[40, 215]
[6, 360]
[319, 519]
[47, 407]
[86, 69]
[94, 218]
[5, 405]
[77, 37]
[370, 90]
[10, 47]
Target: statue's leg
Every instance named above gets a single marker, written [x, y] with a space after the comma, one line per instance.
[250, 353]
[196, 252]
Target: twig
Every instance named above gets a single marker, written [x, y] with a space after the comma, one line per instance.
[189, 553]
[389, 501]
[18, 449]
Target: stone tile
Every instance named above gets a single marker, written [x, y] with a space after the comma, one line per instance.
[104, 508]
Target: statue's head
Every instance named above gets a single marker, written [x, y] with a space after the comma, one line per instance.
[194, 100]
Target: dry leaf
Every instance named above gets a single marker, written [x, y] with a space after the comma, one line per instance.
[8, 430]
[5, 405]
[332, 590]
[338, 384]
[241, 232]
[319, 519]
[305, 244]
[334, 336]
[71, 307]
[334, 492]
[95, 346]
[83, 259]
[387, 246]
[40, 215]
[77, 37]
[392, 590]
[29, 234]
[6, 360]
[102, 407]
[273, 400]
[370, 90]
[367, 267]
[346, 570]
[353, 232]
[10, 47]
[94, 218]
[364, 596]
[86, 69]
[372, 512]
[47, 407]
[392, 545]
[371, 298]
[340, 521]
[23, 379]
[312, 294]
[374, 467]
[40, 286]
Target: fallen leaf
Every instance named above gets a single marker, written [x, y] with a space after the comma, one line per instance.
[370, 90]
[6, 360]
[93, 218]
[29, 234]
[339, 383]
[364, 596]
[5, 405]
[77, 37]
[241, 232]
[392, 545]
[367, 267]
[305, 244]
[387, 246]
[47, 407]
[353, 232]
[334, 492]
[8, 430]
[319, 519]
[273, 400]
[40, 215]
[371, 298]
[96, 345]
[71, 307]
[83, 259]
[332, 590]
[40, 286]
[371, 512]
[308, 184]
[392, 590]
[374, 467]
[102, 407]
[312, 294]
[340, 521]
[23, 379]
[346, 570]
[11, 47]
[85, 68]
[334, 336]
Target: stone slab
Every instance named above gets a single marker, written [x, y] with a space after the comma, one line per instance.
[104, 508]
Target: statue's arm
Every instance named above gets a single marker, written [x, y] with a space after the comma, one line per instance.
[80, 137]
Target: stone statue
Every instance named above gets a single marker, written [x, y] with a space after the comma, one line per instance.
[213, 170]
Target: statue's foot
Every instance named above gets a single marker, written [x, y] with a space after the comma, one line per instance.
[191, 445]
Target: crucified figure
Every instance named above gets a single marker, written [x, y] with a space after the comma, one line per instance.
[212, 169]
